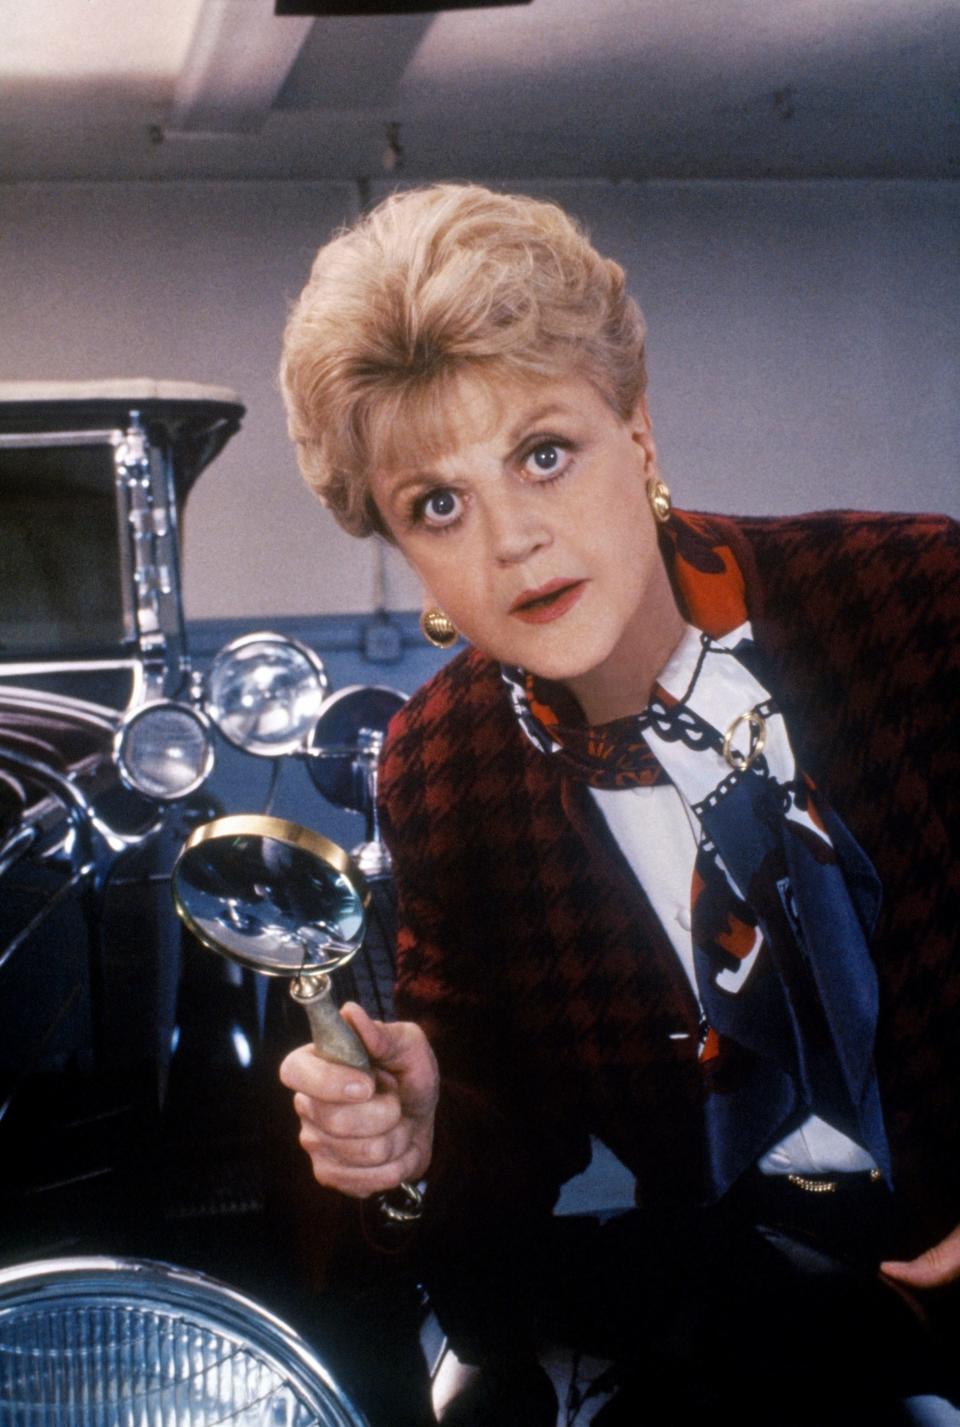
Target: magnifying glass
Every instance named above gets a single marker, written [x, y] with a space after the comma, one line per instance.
[285, 901]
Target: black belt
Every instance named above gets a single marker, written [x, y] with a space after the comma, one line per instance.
[852, 1216]
[829, 1183]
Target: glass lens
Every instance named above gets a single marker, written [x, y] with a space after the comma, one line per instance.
[165, 751]
[107, 1364]
[264, 695]
[61, 590]
[274, 906]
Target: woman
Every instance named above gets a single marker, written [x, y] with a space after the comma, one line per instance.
[627, 909]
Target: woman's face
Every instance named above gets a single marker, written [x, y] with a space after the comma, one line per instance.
[533, 532]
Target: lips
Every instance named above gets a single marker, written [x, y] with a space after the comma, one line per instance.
[549, 602]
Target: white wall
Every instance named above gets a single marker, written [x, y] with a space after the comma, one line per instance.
[804, 346]
[804, 338]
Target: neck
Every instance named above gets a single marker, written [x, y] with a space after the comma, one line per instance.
[622, 684]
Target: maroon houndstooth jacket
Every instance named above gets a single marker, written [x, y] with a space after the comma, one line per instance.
[531, 957]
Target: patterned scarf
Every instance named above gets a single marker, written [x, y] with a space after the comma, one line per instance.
[783, 898]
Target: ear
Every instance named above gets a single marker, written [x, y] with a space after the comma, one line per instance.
[641, 434]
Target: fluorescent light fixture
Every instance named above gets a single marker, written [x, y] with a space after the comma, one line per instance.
[385, 7]
[72, 39]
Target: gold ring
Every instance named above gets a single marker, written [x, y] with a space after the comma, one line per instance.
[737, 760]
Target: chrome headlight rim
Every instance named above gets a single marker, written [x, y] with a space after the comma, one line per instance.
[217, 1307]
[133, 720]
[336, 744]
[232, 654]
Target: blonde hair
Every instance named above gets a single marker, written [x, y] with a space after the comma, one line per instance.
[432, 285]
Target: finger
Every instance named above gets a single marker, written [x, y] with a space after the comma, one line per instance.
[361, 1182]
[400, 1049]
[921, 1272]
[385, 1041]
[935, 1268]
[373, 1152]
[376, 1117]
[324, 1080]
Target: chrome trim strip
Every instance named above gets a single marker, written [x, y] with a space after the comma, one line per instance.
[16, 846]
[60, 895]
[63, 666]
[77, 803]
[21, 440]
[83, 711]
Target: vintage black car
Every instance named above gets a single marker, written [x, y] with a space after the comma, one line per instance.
[122, 1045]
[140, 1113]
[101, 742]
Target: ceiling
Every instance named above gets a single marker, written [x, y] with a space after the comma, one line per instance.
[109, 89]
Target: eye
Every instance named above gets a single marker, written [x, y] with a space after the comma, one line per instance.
[546, 459]
[439, 507]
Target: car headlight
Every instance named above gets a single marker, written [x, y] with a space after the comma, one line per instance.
[164, 750]
[99, 1342]
[264, 691]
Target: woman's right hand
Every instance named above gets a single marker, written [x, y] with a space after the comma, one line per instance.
[366, 1132]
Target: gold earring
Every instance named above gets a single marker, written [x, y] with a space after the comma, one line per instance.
[658, 494]
[438, 628]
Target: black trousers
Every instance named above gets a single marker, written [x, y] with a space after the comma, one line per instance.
[766, 1310]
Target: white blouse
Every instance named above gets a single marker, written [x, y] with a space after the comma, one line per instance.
[658, 833]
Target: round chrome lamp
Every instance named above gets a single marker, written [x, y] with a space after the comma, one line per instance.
[164, 750]
[344, 750]
[264, 691]
[100, 1342]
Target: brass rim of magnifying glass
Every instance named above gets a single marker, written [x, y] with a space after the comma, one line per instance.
[278, 830]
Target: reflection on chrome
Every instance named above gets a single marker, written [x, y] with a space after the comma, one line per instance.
[264, 692]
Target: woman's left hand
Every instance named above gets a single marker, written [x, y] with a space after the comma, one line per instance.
[933, 1269]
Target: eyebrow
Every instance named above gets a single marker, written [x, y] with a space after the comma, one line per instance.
[426, 478]
[531, 418]
[421, 479]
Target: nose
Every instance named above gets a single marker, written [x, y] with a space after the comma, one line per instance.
[517, 526]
